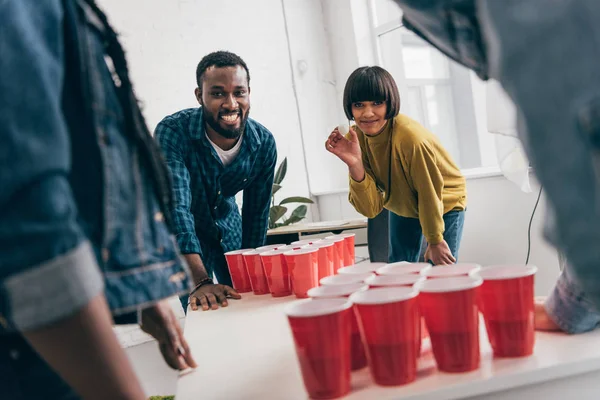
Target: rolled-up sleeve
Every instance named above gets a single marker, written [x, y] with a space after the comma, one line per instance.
[173, 147]
[570, 308]
[48, 269]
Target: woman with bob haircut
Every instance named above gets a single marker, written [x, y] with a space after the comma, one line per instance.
[397, 164]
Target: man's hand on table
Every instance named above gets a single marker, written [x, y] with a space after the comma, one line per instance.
[543, 322]
[160, 322]
[211, 295]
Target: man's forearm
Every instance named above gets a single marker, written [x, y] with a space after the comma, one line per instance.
[84, 350]
[196, 267]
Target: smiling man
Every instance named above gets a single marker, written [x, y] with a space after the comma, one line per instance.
[215, 151]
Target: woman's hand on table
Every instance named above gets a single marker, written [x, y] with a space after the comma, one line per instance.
[160, 322]
[439, 254]
[210, 296]
[543, 322]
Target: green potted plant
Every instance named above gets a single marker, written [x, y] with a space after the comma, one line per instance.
[277, 212]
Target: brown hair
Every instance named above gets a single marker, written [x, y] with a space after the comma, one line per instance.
[372, 84]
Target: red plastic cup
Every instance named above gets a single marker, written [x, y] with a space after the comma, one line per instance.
[238, 271]
[269, 247]
[303, 265]
[258, 279]
[450, 271]
[305, 242]
[345, 279]
[326, 258]
[506, 301]
[396, 280]
[349, 258]
[451, 313]
[389, 322]
[380, 281]
[399, 280]
[321, 331]
[359, 357]
[338, 251]
[364, 267]
[277, 272]
[402, 268]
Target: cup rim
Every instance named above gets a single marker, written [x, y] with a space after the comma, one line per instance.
[394, 279]
[403, 268]
[508, 271]
[308, 308]
[304, 250]
[272, 253]
[322, 244]
[289, 247]
[251, 253]
[384, 295]
[334, 239]
[449, 271]
[237, 252]
[304, 241]
[333, 291]
[269, 247]
[349, 278]
[360, 268]
[448, 285]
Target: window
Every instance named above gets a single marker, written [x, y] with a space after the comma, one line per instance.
[436, 91]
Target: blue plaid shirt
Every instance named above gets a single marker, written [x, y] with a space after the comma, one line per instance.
[207, 218]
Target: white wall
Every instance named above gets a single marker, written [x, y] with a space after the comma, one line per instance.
[316, 89]
[495, 227]
[166, 40]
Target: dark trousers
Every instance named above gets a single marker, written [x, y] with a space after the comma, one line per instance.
[24, 375]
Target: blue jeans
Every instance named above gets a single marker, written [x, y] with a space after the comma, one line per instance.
[406, 237]
[25, 375]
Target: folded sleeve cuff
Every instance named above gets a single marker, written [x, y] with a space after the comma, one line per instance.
[361, 186]
[53, 290]
[188, 243]
[435, 238]
[568, 307]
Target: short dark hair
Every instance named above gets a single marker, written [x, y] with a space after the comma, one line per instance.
[371, 84]
[219, 59]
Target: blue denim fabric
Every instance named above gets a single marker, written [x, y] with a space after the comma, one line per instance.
[206, 216]
[82, 200]
[544, 55]
[73, 176]
[406, 236]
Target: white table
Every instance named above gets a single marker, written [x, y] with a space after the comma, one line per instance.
[319, 227]
[245, 351]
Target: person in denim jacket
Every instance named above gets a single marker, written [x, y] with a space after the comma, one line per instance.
[84, 230]
[544, 53]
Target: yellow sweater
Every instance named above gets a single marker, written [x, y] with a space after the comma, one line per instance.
[425, 182]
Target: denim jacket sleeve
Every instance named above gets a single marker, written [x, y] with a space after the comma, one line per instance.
[257, 196]
[173, 146]
[570, 308]
[48, 269]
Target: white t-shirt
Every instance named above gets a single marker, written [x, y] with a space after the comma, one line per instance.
[227, 156]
